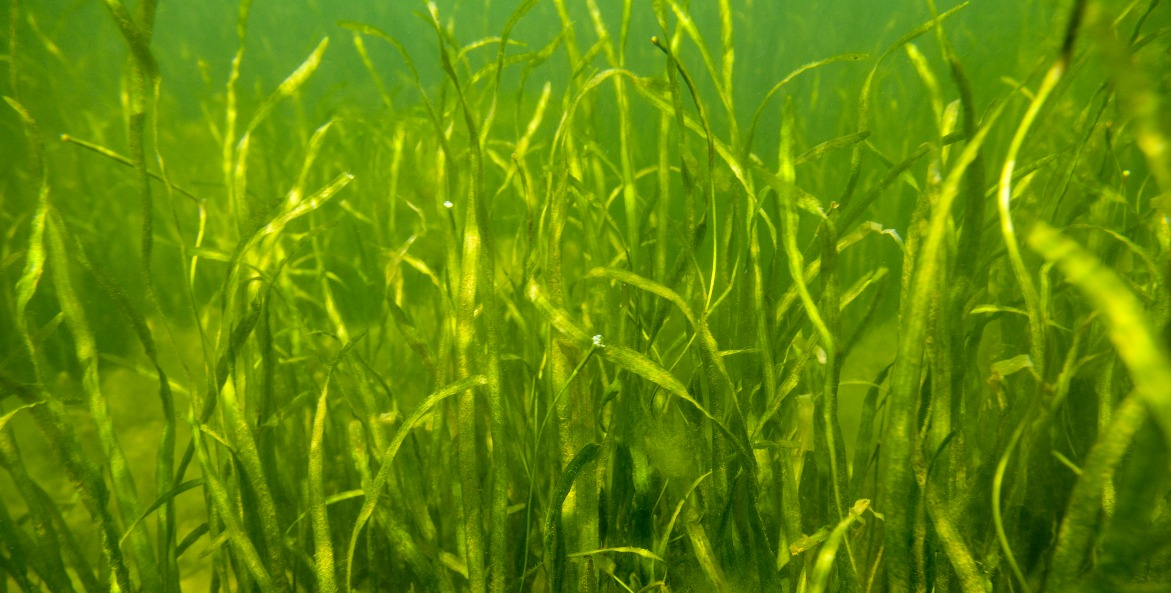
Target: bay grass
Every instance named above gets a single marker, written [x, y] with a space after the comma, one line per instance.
[590, 296]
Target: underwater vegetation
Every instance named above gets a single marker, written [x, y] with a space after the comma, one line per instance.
[585, 295]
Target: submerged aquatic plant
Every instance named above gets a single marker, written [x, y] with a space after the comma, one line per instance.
[612, 297]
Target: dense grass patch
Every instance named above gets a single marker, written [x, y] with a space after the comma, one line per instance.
[595, 296]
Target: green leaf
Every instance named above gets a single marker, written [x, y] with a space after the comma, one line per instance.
[554, 542]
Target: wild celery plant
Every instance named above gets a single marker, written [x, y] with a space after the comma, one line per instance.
[595, 298]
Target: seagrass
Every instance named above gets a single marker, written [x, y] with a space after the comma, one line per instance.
[585, 296]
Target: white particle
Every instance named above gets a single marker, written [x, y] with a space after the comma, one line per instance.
[447, 204]
[598, 341]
